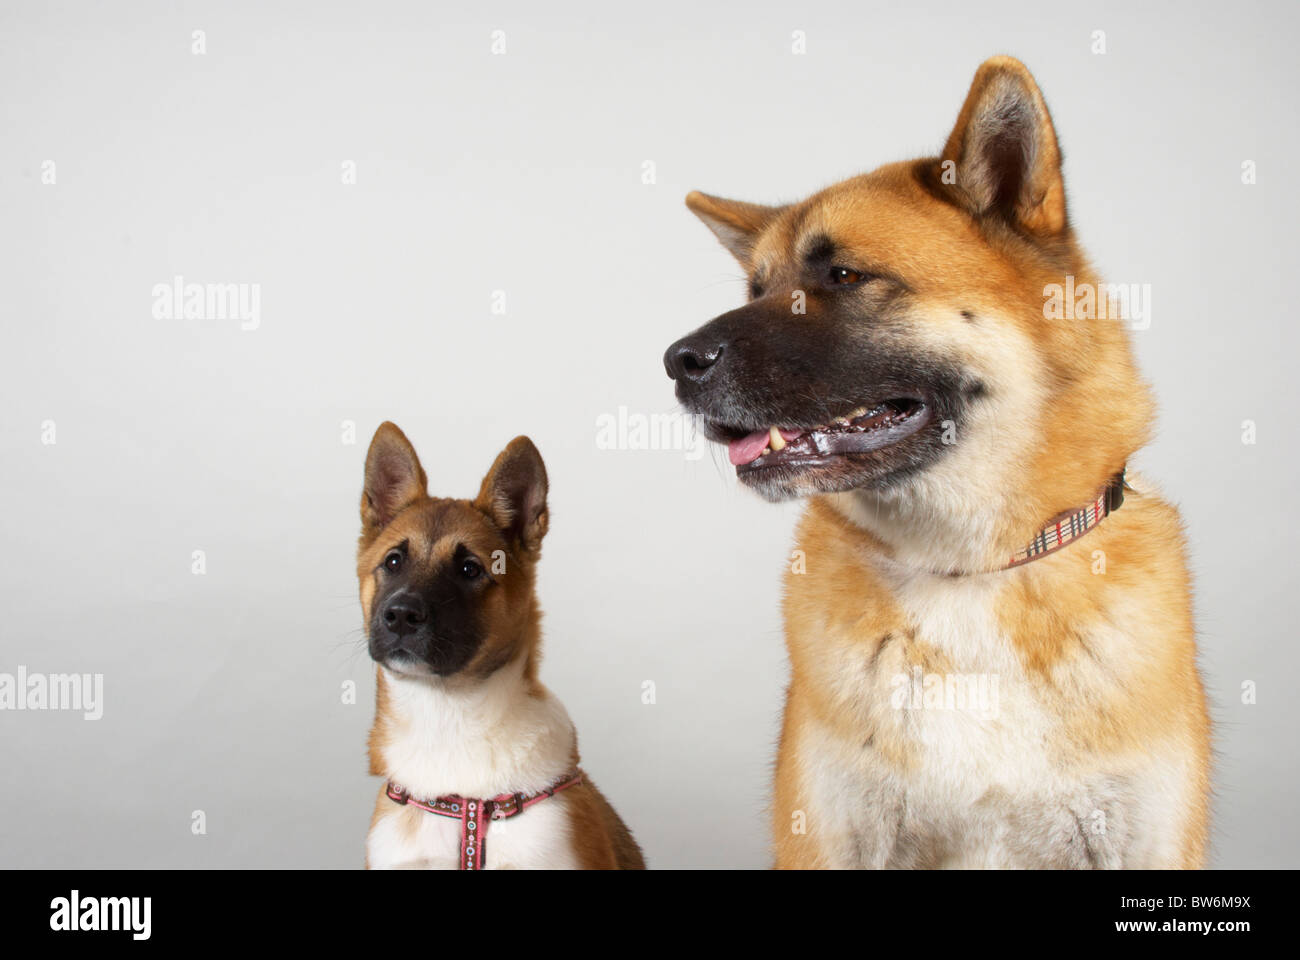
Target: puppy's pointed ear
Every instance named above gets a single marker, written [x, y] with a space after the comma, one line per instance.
[513, 494]
[736, 223]
[1003, 154]
[394, 478]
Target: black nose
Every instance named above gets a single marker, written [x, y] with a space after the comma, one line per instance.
[691, 357]
[405, 613]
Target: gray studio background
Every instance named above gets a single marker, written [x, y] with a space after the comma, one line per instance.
[524, 173]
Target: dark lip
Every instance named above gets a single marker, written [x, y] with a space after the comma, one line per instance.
[400, 653]
[817, 447]
[724, 432]
[405, 664]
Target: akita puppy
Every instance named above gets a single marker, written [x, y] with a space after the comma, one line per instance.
[481, 761]
[992, 662]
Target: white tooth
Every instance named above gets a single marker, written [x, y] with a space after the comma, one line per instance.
[842, 421]
[766, 451]
[857, 413]
[774, 437]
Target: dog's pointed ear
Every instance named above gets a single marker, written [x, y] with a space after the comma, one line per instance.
[736, 223]
[1002, 158]
[394, 478]
[513, 494]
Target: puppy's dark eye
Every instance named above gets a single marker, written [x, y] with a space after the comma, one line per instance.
[393, 562]
[471, 569]
[755, 289]
[846, 275]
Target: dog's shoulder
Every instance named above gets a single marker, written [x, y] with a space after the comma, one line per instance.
[601, 839]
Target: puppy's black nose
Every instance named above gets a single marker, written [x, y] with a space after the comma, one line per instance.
[691, 357]
[405, 613]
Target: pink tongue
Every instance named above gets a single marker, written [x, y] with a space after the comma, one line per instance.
[747, 449]
[750, 448]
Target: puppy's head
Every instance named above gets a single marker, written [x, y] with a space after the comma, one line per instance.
[895, 342]
[447, 585]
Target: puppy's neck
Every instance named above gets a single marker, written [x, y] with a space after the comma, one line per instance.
[438, 737]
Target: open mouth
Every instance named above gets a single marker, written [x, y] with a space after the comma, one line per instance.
[861, 431]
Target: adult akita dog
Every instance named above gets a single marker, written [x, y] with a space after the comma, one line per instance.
[969, 687]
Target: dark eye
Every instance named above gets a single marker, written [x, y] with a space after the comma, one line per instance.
[471, 569]
[393, 562]
[755, 289]
[845, 275]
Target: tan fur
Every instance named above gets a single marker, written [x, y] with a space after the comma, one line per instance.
[611, 846]
[1103, 664]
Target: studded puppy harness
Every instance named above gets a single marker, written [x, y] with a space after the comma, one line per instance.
[475, 814]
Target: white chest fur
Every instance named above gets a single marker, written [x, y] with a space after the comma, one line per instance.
[990, 779]
[538, 839]
[497, 738]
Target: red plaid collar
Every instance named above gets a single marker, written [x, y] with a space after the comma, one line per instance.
[1073, 524]
[475, 814]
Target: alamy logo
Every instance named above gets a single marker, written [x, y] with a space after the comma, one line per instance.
[1126, 302]
[945, 691]
[74, 913]
[54, 691]
[179, 300]
[654, 431]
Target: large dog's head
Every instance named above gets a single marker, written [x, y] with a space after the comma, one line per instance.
[895, 345]
[447, 585]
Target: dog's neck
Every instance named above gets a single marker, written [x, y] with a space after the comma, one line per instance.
[505, 734]
[920, 536]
